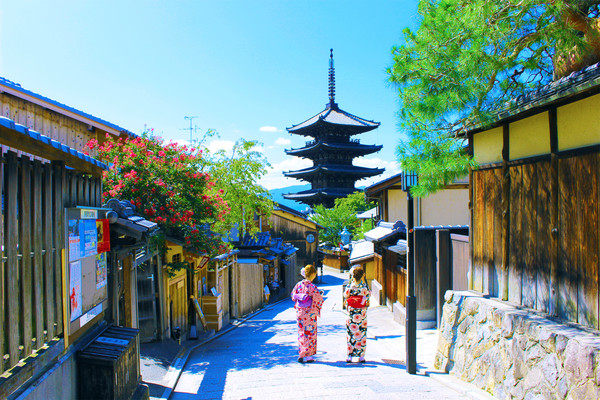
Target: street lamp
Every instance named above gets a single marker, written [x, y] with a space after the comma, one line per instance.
[345, 236]
[410, 179]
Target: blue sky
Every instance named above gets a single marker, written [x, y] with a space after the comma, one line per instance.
[244, 68]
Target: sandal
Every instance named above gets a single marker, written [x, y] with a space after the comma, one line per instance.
[361, 360]
[349, 359]
[309, 359]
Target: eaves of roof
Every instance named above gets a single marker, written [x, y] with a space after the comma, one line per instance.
[17, 90]
[579, 84]
[22, 138]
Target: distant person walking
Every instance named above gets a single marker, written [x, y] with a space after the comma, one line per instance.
[308, 307]
[357, 299]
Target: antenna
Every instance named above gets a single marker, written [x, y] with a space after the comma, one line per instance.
[193, 128]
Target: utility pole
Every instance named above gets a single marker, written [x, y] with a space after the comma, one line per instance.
[192, 127]
[410, 179]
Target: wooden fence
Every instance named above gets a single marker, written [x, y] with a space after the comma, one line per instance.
[34, 195]
[536, 234]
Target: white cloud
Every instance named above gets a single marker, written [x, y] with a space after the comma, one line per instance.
[391, 168]
[283, 141]
[269, 129]
[274, 178]
[218, 144]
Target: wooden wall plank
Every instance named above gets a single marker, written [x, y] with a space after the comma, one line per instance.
[38, 264]
[49, 280]
[528, 239]
[587, 226]
[515, 270]
[496, 204]
[488, 191]
[12, 266]
[543, 235]
[80, 190]
[72, 189]
[25, 250]
[568, 239]
[59, 245]
[478, 221]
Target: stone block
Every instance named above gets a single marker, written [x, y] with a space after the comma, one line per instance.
[589, 390]
[507, 325]
[578, 363]
[534, 354]
[549, 366]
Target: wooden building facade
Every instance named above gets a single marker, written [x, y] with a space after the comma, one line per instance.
[535, 202]
[295, 228]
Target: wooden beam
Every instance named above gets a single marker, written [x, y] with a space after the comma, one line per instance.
[503, 290]
[553, 308]
[25, 143]
[25, 250]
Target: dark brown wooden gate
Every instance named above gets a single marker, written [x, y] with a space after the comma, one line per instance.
[552, 233]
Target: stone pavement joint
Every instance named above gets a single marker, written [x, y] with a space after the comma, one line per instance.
[258, 360]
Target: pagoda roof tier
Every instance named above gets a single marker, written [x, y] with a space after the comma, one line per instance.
[320, 194]
[334, 169]
[353, 148]
[333, 120]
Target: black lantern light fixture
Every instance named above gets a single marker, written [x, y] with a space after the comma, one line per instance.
[409, 180]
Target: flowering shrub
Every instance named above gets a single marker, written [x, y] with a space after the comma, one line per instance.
[167, 185]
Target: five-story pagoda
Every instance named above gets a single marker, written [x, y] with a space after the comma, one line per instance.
[332, 175]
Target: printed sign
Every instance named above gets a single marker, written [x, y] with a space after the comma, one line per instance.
[89, 214]
[75, 296]
[100, 270]
[90, 315]
[74, 245]
[102, 227]
[89, 237]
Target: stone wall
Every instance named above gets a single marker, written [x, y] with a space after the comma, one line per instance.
[515, 353]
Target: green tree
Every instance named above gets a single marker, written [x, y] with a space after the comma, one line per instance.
[342, 215]
[236, 175]
[469, 58]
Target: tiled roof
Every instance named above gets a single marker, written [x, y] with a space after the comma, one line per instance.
[326, 192]
[401, 247]
[260, 239]
[335, 169]
[361, 250]
[30, 133]
[372, 213]
[351, 147]
[384, 230]
[563, 88]
[16, 86]
[335, 116]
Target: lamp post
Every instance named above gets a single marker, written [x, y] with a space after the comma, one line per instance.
[410, 179]
[345, 236]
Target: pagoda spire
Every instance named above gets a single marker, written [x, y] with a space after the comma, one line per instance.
[331, 81]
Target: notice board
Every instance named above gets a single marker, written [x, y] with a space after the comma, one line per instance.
[88, 239]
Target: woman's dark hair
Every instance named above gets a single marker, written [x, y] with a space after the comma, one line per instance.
[358, 273]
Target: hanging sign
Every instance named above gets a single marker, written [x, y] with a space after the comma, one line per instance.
[102, 227]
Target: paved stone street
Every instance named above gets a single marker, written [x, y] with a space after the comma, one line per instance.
[257, 360]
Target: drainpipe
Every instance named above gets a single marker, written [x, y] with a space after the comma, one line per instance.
[418, 211]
